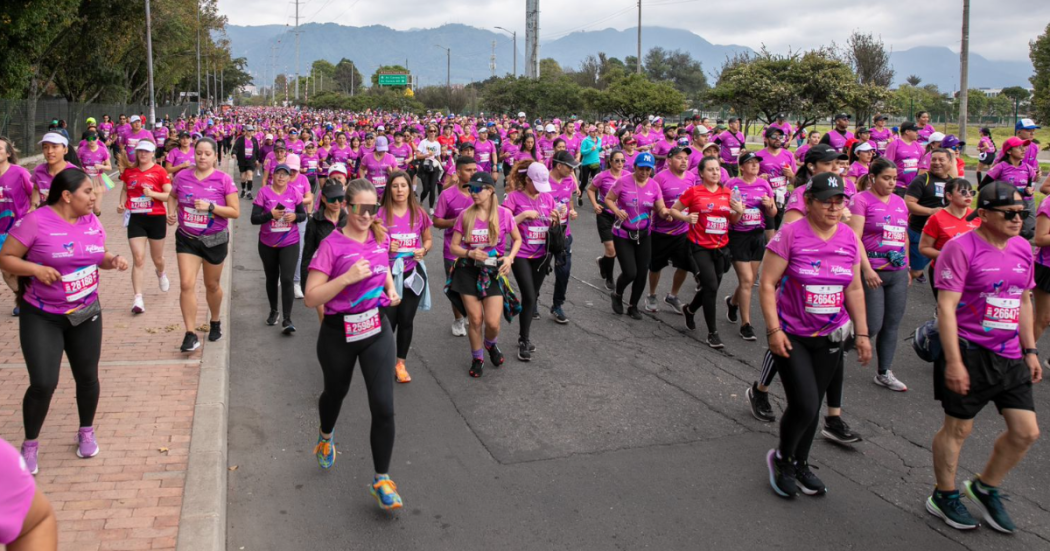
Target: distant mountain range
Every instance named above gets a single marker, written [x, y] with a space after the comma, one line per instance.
[471, 51]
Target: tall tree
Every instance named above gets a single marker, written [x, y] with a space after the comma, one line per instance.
[1039, 52]
[382, 68]
[550, 69]
[347, 77]
[914, 80]
[677, 67]
[869, 59]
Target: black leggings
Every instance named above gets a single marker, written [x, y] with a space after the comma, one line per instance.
[44, 337]
[710, 264]
[586, 173]
[403, 316]
[807, 374]
[769, 371]
[634, 265]
[428, 180]
[279, 265]
[530, 276]
[337, 358]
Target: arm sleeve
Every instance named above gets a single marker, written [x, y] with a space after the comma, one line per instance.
[260, 216]
[300, 213]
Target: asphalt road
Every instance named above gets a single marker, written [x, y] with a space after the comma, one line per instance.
[620, 434]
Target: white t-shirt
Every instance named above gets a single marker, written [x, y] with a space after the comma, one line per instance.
[430, 148]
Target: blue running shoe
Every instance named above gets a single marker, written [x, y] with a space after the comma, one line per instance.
[949, 508]
[385, 492]
[325, 451]
[990, 502]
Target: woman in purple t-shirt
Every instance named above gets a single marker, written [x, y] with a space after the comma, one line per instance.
[58, 249]
[27, 519]
[350, 276]
[597, 189]
[277, 210]
[810, 290]
[16, 195]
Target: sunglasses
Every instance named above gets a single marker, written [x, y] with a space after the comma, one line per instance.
[92, 138]
[965, 192]
[1010, 215]
[335, 199]
[362, 210]
[474, 190]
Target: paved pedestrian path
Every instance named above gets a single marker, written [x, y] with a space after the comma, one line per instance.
[130, 495]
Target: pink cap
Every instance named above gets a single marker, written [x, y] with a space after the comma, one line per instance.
[292, 160]
[540, 177]
[1014, 141]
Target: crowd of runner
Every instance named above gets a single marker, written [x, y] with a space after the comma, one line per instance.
[832, 234]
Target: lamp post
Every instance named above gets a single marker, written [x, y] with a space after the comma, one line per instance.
[448, 76]
[149, 66]
[514, 37]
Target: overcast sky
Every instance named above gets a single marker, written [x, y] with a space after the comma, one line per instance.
[998, 29]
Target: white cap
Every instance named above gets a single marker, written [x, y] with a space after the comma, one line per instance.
[55, 138]
[380, 127]
[936, 137]
[521, 114]
[145, 145]
[702, 130]
[268, 137]
[549, 128]
[292, 160]
[337, 168]
[540, 176]
[135, 118]
[382, 144]
[865, 146]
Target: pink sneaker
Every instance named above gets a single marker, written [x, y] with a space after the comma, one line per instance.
[29, 451]
[86, 444]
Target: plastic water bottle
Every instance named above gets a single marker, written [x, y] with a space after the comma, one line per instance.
[736, 195]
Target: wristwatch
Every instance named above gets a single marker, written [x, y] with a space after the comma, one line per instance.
[1028, 351]
[211, 208]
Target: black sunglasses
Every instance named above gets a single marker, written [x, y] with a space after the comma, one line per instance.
[1009, 215]
[335, 199]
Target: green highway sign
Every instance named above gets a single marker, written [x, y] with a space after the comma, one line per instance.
[393, 80]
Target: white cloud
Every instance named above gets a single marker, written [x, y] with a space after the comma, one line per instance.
[997, 30]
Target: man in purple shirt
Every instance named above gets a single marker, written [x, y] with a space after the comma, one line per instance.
[1025, 129]
[731, 142]
[839, 133]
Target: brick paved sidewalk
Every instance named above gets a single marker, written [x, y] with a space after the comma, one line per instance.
[130, 495]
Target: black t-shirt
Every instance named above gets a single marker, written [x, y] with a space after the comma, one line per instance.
[929, 190]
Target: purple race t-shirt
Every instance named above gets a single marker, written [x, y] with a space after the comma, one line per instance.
[811, 299]
[533, 232]
[408, 234]
[1020, 176]
[562, 191]
[662, 147]
[133, 139]
[754, 217]
[42, 179]
[1042, 254]
[16, 191]
[74, 250]
[638, 202]
[773, 166]
[478, 237]
[731, 145]
[881, 139]
[906, 157]
[214, 188]
[451, 203]
[16, 493]
[336, 254]
[278, 233]
[991, 282]
[90, 159]
[402, 154]
[602, 183]
[485, 155]
[671, 188]
[377, 169]
[176, 157]
[856, 171]
[885, 227]
[340, 154]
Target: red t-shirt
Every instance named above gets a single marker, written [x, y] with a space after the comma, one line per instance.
[136, 180]
[711, 230]
[943, 226]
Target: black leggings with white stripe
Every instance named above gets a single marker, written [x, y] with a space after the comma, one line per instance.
[834, 394]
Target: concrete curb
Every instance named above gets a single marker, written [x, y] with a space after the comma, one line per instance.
[202, 524]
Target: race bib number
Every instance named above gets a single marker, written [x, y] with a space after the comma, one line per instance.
[823, 299]
[405, 240]
[248, 152]
[312, 164]
[938, 189]
[479, 238]
[1001, 313]
[279, 225]
[141, 205]
[193, 218]
[132, 143]
[717, 225]
[893, 236]
[780, 194]
[751, 217]
[379, 181]
[911, 165]
[734, 151]
[91, 170]
[536, 235]
[484, 157]
[80, 283]
[361, 326]
[881, 146]
[778, 182]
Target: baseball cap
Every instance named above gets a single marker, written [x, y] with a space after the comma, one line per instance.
[773, 130]
[908, 125]
[864, 146]
[380, 128]
[333, 191]
[826, 185]
[645, 160]
[995, 194]
[484, 129]
[556, 121]
[382, 144]
[184, 134]
[268, 137]
[781, 116]
[823, 153]
[936, 137]
[1025, 124]
[540, 177]
[521, 114]
[748, 156]
[135, 118]
[842, 116]
[549, 128]
[592, 128]
[465, 146]
[678, 149]
[91, 121]
[483, 178]
[292, 161]
[711, 145]
[145, 145]
[566, 158]
[863, 130]
[701, 130]
[1014, 141]
[951, 141]
[338, 168]
[55, 138]
[283, 167]
[880, 117]
[733, 119]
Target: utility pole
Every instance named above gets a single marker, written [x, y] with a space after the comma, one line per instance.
[297, 49]
[149, 66]
[492, 59]
[448, 77]
[198, 57]
[964, 72]
[532, 38]
[352, 79]
[514, 37]
[222, 83]
[639, 64]
[273, 84]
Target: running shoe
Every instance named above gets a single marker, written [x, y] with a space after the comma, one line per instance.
[242, 194]
[781, 475]
[747, 332]
[617, 304]
[248, 196]
[714, 341]
[674, 303]
[325, 451]
[496, 355]
[633, 312]
[16, 312]
[401, 373]
[29, 453]
[524, 354]
[190, 342]
[535, 314]
[162, 281]
[272, 319]
[921, 278]
[431, 212]
[287, 327]
[215, 333]
[836, 430]
[459, 327]
[598, 261]
[948, 507]
[650, 304]
[385, 492]
[477, 368]
[297, 290]
[690, 318]
[137, 306]
[807, 481]
[609, 283]
[889, 381]
[86, 444]
[732, 310]
[759, 402]
[559, 315]
[990, 503]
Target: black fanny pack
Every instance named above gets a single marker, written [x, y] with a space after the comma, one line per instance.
[80, 315]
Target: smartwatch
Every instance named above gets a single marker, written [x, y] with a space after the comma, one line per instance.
[1028, 351]
[211, 208]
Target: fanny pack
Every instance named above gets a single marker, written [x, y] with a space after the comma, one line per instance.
[212, 240]
[897, 259]
[80, 315]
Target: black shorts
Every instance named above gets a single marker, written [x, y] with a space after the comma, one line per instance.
[993, 378]
[673, 249]
[465, 280]
[1042, 278]
[245, 167]
[747, 246]
[150, 226]
[605, 224]
[185, 244]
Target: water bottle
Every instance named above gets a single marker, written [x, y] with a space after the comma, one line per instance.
[736, 195]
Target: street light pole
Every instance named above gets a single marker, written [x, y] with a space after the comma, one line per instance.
[514, 37]
[149, 66]
[448, 76]
[198, 57]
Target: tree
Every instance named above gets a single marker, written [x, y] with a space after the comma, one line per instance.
[28, 33]
[634, 97]
[868, 58]
[913, 80]
[347, 77]
[1039, 52]
[1017, 97]
[549, 69]
[677, 67]
[386, 68]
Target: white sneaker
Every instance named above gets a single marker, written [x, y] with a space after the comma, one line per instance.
[162, 279]
[138, 307]
[459, 327]
[297, 290]
[650, 304]
[431, 211]
[889, 381]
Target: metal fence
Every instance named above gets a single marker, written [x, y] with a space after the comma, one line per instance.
[16, 124]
